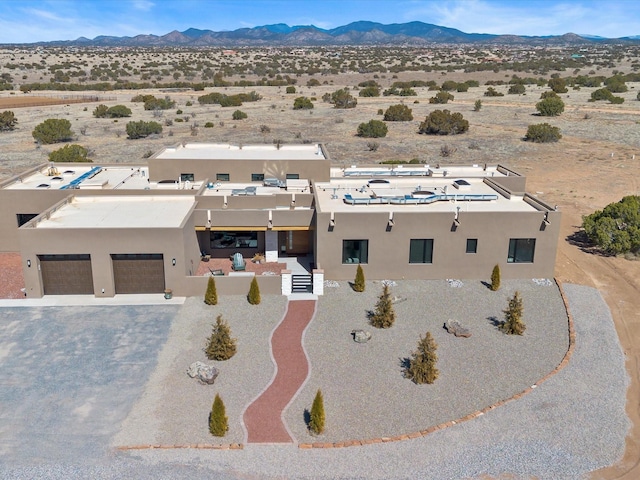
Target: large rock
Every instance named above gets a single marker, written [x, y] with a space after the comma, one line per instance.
[456, 328]
[360, 336]
[206, 374]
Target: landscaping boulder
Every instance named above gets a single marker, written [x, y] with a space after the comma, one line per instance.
[206, 374]
[457, 329]
[360, 336]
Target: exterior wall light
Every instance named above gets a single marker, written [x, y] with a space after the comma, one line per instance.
[28, 263]
[173, 262]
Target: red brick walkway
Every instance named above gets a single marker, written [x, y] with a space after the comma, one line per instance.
[263, 418]
[11, 277]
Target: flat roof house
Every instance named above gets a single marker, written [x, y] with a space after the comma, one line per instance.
[115, 229]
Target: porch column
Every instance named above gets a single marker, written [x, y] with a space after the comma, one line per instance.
[271, 246]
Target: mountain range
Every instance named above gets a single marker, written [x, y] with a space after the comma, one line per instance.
[356, 33]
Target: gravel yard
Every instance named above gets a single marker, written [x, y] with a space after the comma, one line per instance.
[571, 424]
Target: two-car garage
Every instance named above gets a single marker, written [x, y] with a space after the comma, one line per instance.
[72, 274]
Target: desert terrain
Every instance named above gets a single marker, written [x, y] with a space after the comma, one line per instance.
[596, 162]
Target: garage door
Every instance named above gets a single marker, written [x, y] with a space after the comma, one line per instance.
[138, 273]
[66, 274]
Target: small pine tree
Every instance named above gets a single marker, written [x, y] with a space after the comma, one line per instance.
[218, 421]
[422, 364]
[358, 284]
[513, 324]
[495, 278]
[477, 105]
[254, 292]
[211, 296]
[221, 345]
[384, 315]
[316, 421]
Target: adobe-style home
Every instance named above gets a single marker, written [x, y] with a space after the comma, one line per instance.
[118, 228]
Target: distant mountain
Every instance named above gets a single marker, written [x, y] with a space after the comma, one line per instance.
[356, 33]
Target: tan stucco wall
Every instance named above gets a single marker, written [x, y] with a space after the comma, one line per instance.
[389, 248]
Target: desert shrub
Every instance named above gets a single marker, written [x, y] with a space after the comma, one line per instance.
[542, 133]
[142, 98]
[210, 98]
[616, 84]
[220, 346]
[238, 115]
[302, 103]
[343, 99]
[616, 228]
[372, 129]
[100, 111]
[601, 94]
[118, 111]
[8, 121]
[447, 150]
[462, 87]
[370, 91]
[254, 292]
[398, 113]
[421, 367]
[558, 85]
[443, 122]
[550, 107]
[449, 85]
[53, 130]
[548, 94]
[495, 279]
[516, 89]
[617, 100]
[402, 92]
[441, 98]
[159, 103]
[208, 125]
[373, 146]
[188, 104]
[384, 315]
[69, 153]
[637, 98]
[179, 112]
[492, 92]
[358, 283]
[381, 112]
[313, 82]
[218, 421]
[316, 415]
[291, 89]
[477, 105]
[211, 295]
[142, 129]
[513, 324]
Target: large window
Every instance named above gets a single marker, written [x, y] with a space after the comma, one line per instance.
[355, 251]
[421, 250]
[187, 177]
[293, 176]
[521, 250]
[257, 177]
[234, 240]
[222, 177]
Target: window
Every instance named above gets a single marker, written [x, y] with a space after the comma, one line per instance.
[521, 250]
[222, 177]
[421, 250]
[257, 177]
[293, 176]
[186, 177]
[25, 217]
[234, 240]
[355, 251]
[472, 245]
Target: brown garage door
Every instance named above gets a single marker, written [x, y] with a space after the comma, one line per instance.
[66, 274]
[138, 273]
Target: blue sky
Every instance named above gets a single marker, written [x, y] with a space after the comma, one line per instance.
[25, 21]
